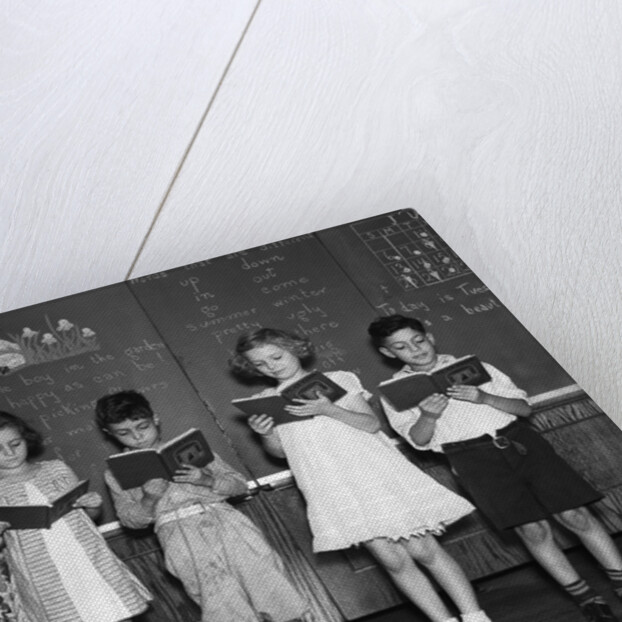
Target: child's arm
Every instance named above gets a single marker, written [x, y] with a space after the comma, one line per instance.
[264, 426]
[136, 507]
[361, 416]
[227, 480]
[3, 527]
[91, 503]
[511, 405]
[431, 408]
[218, 476]
[153, 491]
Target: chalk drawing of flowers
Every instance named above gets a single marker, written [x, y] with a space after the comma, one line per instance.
[53, 347]
[64, 325]
[11, 356]
[39, 346]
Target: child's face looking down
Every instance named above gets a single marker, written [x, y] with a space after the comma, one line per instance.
[411, 347]
[136, 433]
[275, 362]
[13, 449]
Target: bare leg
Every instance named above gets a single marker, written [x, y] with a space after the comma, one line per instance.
[446, 570]
[397, 561]
[593, 536]
[538, 538]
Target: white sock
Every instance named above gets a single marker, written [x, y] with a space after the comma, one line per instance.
[476, 616]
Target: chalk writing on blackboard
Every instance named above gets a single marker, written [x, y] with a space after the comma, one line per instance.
[31, 347]
[409, 250]
[463, 299]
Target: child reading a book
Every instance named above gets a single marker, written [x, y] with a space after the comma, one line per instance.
[359, 489]
[220, 556]
[513, 475]
[66, 572]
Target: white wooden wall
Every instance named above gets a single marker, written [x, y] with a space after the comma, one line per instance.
[139, 136]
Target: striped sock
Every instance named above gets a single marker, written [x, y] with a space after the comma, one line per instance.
[615, 576]
[581, 592]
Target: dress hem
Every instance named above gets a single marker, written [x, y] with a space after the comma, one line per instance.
[321, 545]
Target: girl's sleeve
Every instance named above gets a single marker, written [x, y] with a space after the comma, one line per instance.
[127, 504]
[227, 481]
[350, 382]
[65, 473]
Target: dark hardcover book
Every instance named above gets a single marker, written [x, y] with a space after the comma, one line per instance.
[273, 405]
[42, 516]
[134, 468]
[312, 386]
[408, 391]
[307, 388]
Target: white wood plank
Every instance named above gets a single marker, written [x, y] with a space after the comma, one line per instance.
[499, 122]
[98, 103]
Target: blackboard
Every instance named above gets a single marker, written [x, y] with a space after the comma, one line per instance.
[201, 310]
[171, 334]
[401, 265]
[58, 358]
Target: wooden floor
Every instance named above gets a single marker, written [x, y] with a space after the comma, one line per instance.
[138, 136]
[526, 595]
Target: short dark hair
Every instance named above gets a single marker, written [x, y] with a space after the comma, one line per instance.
[385, 326]
[118, 407]
[292, 342]
[33, 439]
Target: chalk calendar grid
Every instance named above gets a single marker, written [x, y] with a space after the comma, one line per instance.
[409, 250]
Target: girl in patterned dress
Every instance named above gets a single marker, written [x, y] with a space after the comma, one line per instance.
[358, 487]
[66, 573]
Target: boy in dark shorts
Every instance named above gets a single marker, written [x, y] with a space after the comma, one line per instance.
[514, 476]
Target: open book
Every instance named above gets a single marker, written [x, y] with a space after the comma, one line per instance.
[42, 516]
[311, 386]
[134, 468]
[273, 405]
[307, 388]
[407, 391]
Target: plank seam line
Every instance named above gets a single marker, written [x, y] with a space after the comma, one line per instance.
[186, 153]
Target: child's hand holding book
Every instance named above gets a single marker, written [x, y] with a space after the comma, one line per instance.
[88, 501]
[466, 393]
[433, 405]
[153, 491]
[189, 474]
[91, 503]
[4, 525]
[321, 405]
[262, 424]
[155, 487]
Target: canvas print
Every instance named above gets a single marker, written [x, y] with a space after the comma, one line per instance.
[493, 494]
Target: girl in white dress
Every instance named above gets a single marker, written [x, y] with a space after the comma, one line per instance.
[66, 573]
[359, 489]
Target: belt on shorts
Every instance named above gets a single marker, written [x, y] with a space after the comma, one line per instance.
[189, 510]
[499, 440]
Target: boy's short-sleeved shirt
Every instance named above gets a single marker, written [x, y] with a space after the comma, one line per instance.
[461, 420]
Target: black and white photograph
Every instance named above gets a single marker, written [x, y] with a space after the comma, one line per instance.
[310, 312]
[356, 495]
